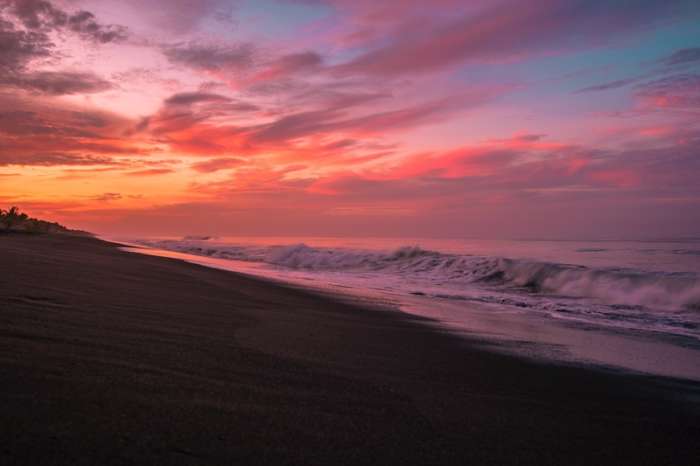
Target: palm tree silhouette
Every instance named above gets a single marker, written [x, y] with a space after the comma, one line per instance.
[12, 217]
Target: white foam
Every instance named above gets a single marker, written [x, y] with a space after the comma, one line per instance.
[622, 297]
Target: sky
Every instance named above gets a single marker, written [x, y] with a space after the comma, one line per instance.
[563, 119]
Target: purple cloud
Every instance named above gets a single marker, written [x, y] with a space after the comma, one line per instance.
[19, 47]
[27, 32]
[211, 57]
[508, 31]
[42, 15]
[676, 91]
[683, 57]
[189, 98]
[182, 16]
[58, 82]
[608, 86]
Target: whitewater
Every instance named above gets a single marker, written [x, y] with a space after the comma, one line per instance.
[649, 287]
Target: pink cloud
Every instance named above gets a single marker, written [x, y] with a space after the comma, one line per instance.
[214, 165]
[678, 91]
[379, 115]
[497, 31]
[46, 132]
[182, 16]
[510, 168]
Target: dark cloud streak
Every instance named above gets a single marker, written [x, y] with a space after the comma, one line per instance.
[26, 28]
[683, 57]
[211, 57]
[41, 15]
[58, 82]
[608, 86]
[53, 159]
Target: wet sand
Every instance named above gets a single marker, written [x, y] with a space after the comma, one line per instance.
[523, 334]
[108, 357]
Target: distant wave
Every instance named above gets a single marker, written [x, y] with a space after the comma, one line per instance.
[657, 290]
[687, 252]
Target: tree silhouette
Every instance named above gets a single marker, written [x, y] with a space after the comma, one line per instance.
[13, 219]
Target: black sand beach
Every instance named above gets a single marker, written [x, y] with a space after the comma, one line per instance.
[108, 357]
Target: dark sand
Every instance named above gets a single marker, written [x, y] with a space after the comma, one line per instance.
[108, 357]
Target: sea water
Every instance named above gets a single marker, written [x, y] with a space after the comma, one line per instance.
[645, 290]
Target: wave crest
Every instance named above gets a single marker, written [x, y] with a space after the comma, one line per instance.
[616, 286]
[610, 286]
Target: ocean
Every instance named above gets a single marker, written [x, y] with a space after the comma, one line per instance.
[644, 291]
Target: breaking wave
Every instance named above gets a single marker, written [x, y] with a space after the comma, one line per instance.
[627, 287]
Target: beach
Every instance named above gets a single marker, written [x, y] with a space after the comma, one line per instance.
[109, 357]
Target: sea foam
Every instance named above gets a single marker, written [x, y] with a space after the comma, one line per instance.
[621, 286]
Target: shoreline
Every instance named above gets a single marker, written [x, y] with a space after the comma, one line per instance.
[112, 357]
[530, 336]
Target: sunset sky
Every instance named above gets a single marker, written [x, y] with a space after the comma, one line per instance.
[484, 118]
